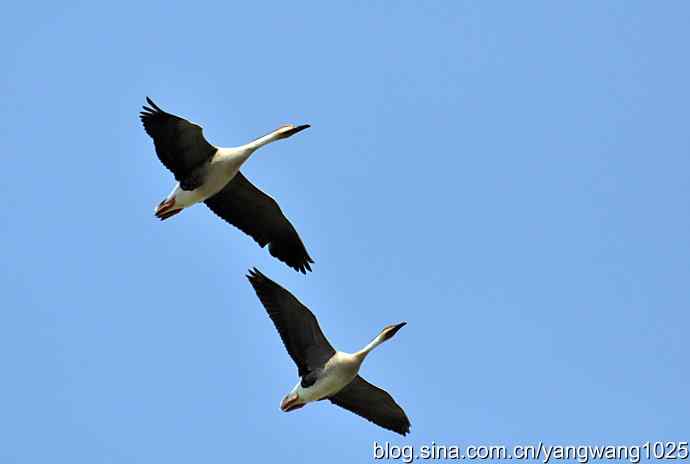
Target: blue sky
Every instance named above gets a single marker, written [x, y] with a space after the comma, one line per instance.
[511, 178]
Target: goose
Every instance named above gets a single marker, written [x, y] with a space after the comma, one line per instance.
[211, 174]
[324, 372]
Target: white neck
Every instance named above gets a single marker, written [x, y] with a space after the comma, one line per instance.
[261, 141]
[361, 354]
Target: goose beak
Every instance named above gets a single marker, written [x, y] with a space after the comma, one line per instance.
[295, 130]
[397, 327]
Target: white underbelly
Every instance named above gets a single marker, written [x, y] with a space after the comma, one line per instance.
[215, 182]
[326, 386]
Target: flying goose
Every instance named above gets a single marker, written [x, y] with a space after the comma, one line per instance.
[211, 174]
[324, 372]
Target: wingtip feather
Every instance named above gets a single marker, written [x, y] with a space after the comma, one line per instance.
[255, 276]
[150, 102]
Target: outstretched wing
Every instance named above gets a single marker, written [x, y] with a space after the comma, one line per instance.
[297, 326]
[373, 404]
[180, 144]
[256, 214]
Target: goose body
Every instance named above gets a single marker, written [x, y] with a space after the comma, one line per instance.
[216, 173]
[210, 174]
[325, 373]
[339, 370]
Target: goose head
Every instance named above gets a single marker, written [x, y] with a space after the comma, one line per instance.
[288, 130]
[390, 330]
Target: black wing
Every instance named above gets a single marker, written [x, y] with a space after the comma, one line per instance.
[373, 404]
[256, 214]
[297, 326]
[180, 144]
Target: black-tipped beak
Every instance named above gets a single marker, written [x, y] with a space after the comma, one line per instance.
[396, 327]
[297, 129]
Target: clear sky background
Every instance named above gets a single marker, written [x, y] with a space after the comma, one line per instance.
[511, 178]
